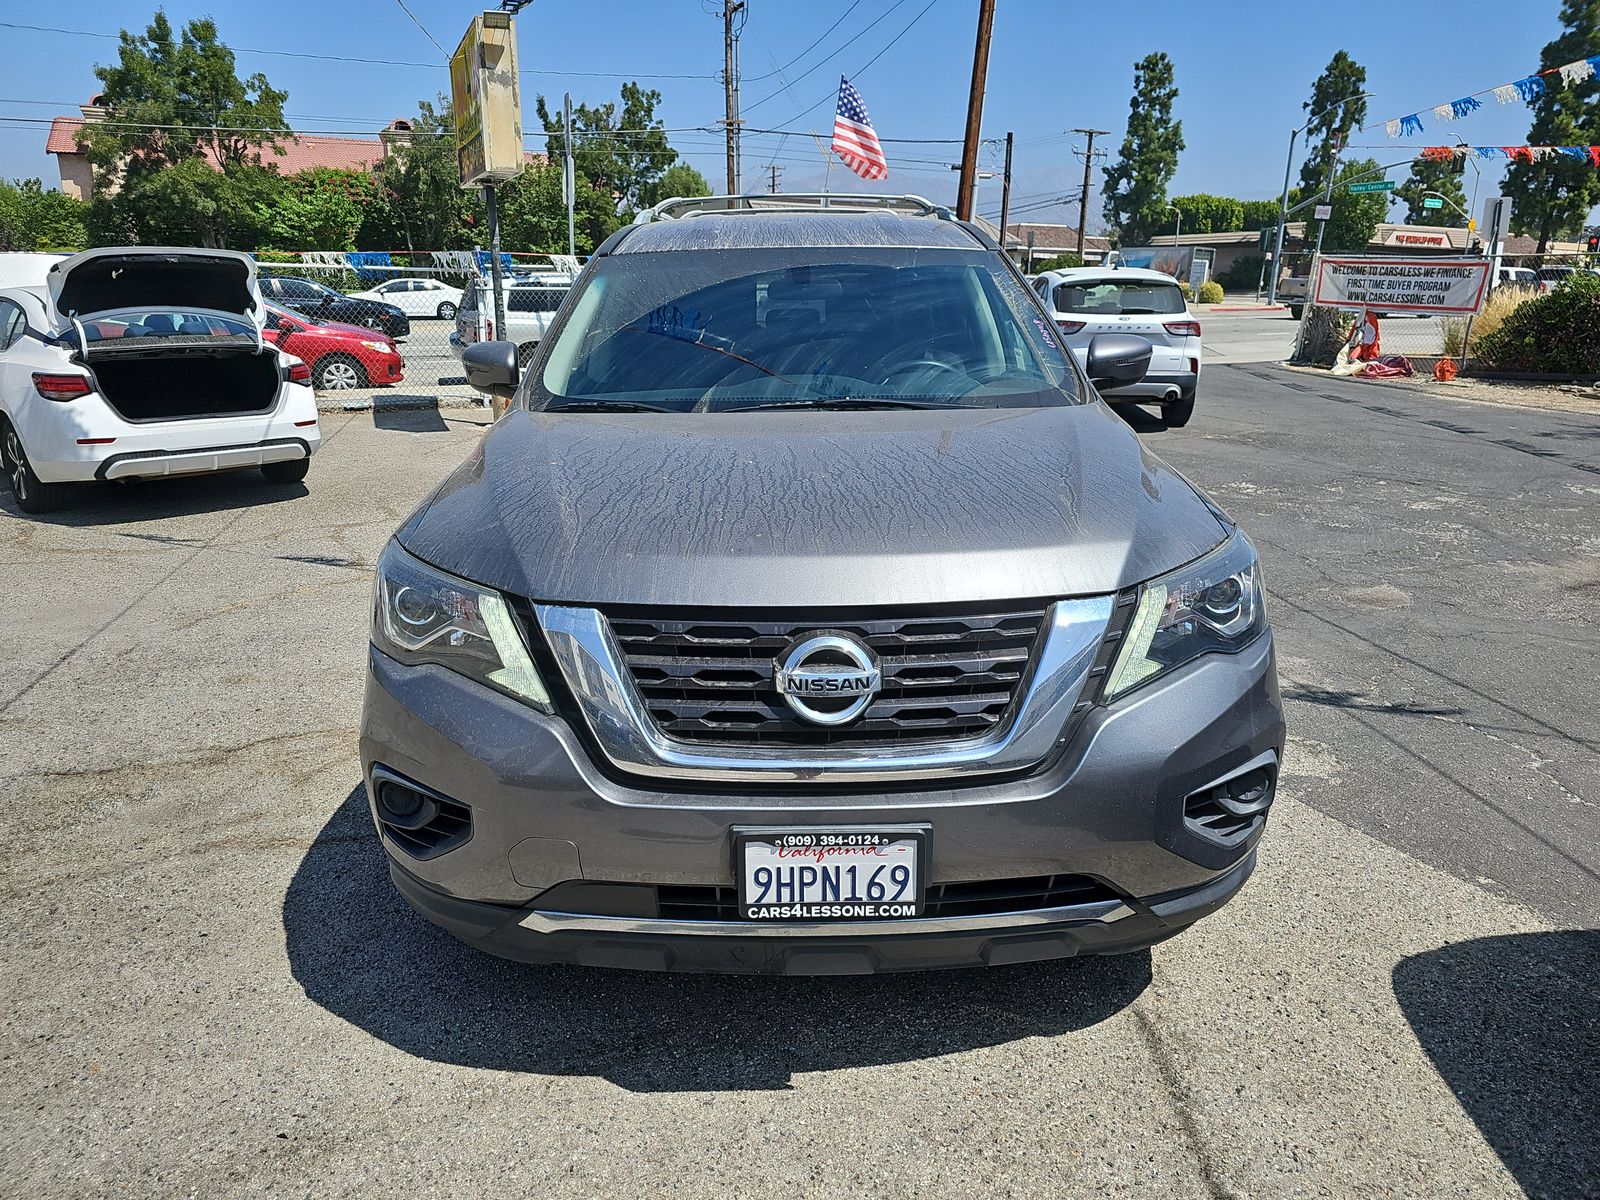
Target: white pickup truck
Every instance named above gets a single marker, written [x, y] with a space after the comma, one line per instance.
[531, 303]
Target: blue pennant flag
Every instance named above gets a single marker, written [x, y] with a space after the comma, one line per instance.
[1579, 152]
[1530, 89]
[1463, 106]
[1410, 125]
[1488, 151]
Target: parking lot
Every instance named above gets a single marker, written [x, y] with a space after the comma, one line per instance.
[212, 988]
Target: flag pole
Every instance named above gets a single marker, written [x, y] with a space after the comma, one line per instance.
[827, 158]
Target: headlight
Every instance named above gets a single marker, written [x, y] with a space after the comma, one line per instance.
[421, 615]
[1214, 604]
[380, 347]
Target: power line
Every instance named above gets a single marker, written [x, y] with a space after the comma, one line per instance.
[380, 62]
[780, 70]
[445, 53]
[822, 61]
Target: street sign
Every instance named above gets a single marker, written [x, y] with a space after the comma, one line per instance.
[1322, 212]
[1496, 222]
[486, 103]
[1432, 202]
[1372, 185]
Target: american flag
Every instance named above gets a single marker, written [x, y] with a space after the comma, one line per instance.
[853, 139]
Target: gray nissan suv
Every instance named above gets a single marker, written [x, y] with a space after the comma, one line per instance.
[807, 612]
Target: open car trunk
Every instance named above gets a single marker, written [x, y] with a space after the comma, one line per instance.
[156, 386]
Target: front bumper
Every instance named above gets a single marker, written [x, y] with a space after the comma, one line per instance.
[1109, 804]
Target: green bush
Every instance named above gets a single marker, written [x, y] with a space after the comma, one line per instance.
[1243, 275]
[1211, 292]
[1558, 333]
[1188, 292]
[277, 256]
[1059, 263]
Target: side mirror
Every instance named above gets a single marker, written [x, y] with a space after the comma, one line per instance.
[285, 325]
[492, 368]
[1117, 359]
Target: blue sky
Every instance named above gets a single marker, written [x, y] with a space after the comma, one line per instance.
[1242, 72]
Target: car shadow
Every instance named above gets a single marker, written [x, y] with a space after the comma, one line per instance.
[103, 504]
[363, 955]
[1512, 1024]
[419, 414]
[1140, 420]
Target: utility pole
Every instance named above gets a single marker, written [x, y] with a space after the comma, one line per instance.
[569, 178]
[730, 86]
[980, 75]
[1083, 198]
[1005, 195]
[773, 171]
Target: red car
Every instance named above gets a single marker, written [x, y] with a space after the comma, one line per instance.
[340, 356]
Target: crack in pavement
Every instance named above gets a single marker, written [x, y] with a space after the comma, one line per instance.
[1178, 1092]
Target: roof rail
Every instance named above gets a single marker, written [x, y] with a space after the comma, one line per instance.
[789, 202]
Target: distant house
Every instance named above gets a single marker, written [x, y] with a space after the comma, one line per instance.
[302, 152]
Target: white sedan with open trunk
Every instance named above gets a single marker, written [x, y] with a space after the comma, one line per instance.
[143, 362]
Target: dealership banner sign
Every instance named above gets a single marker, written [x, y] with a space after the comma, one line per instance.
[1427, 285]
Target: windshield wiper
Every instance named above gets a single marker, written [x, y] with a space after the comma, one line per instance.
[607, 406]
[845, 402]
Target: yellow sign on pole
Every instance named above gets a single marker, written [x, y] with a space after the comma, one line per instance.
[486, 100]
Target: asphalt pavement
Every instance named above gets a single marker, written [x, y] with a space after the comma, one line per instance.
[211, 988]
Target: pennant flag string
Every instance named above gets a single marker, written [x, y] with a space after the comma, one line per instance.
[1527, 90]
[1527, 154]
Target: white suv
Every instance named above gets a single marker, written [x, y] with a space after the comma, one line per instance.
[531, 304]
[1085, 301]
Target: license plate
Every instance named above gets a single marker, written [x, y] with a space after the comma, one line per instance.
[840, 874]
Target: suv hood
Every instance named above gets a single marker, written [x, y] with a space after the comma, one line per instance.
[774, 509]
[116, 278]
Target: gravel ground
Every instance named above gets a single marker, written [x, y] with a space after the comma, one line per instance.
[211, 988]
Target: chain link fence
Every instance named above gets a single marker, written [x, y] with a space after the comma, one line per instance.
[388, 327]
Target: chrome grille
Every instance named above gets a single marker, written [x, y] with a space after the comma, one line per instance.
[946, 677]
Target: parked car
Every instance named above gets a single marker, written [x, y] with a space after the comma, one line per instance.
[808, 612]
[1524, 278]
[1551, 276]
[321, 303]
[532, 302]
[142, 362]
[422, 297]
[1086, 302]
[340, 356]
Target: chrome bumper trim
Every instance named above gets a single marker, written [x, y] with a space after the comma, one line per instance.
[592, 663]
[1104, 912]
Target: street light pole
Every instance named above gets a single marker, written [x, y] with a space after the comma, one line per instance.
[1283, 203]
[1177, 230]
[969, 148]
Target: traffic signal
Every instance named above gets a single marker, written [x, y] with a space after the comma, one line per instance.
[1594, 242]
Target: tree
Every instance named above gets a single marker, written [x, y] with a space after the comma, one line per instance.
[419, 202]
[680, 179]
[1356, 216]
[32, 218]
[1551, 197]
[319, 209]
[1333, 116]
[624, 152]
[1209, 214]
[1259, 214]
[1136, 184]
[533, 213]
[1441, 176]
[180, 155]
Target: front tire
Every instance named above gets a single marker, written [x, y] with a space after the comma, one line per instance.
[446, 311]
[32, 493]
[292, 471]
[1297, 311]
[1176, 415]
[338, 373]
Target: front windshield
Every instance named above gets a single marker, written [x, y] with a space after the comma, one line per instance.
[714, 330]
